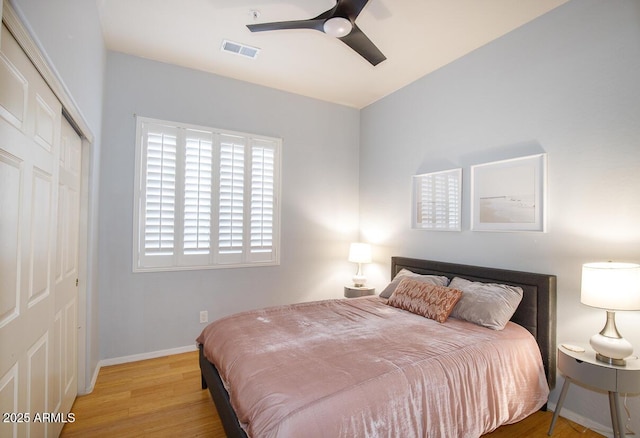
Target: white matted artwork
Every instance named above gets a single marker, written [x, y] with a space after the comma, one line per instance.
[509, 195]
[437, 201]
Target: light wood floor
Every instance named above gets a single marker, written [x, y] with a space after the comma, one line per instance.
[162, 397]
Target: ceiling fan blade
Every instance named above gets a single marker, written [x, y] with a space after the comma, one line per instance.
[280, 25]
[349, 8]
[359, 42]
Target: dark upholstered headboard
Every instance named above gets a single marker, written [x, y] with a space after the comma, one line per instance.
[536, 312]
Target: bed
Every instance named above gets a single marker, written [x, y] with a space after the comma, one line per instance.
[276, 387]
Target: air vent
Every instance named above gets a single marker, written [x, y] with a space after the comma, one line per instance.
[240, 49]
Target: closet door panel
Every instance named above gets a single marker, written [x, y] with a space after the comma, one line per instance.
[39, 211]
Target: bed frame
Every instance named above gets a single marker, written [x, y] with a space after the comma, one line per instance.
[536, 313]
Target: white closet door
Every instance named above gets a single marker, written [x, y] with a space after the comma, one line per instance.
[38, 306]
[64, 387]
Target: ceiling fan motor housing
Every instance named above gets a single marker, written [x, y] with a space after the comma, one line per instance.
[337, 27]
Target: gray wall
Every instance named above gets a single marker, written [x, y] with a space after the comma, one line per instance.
[565, 84]
[146, 312]
[68, 32]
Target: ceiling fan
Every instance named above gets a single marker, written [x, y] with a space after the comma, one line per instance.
[338, 22]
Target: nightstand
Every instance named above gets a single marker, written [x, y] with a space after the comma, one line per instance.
[353, 291]
[582, 367]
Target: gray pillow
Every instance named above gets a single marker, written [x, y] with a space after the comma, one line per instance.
[436, 280]
[487, 304]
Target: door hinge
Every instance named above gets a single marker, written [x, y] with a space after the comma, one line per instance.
[76, 282]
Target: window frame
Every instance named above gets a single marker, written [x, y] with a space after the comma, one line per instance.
[178, 259]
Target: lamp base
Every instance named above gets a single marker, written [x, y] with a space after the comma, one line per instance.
[359, 280]
[610, 360]
[612, 351]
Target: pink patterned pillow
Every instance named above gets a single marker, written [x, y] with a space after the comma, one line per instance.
[428, 300]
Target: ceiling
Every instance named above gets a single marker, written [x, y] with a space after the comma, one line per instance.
[416, 36]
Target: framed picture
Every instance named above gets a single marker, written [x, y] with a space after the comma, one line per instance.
[509, 195]
[437, 201]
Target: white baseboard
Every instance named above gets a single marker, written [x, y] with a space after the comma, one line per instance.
[144, 356]
[586, 422]
[92, 384]
[94, 378]
[134, 358]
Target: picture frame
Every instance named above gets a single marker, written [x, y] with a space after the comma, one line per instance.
[509, 195]
[437, 201]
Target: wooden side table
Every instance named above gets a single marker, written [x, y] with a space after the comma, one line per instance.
[353, 291]
[582, 367]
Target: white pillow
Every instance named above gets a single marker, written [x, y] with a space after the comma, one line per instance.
[487, 304]
[436, 280]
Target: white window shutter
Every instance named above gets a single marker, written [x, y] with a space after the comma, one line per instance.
[198, 179]
[206, 198]
[159, 184]
[263, 199]
[231, 203]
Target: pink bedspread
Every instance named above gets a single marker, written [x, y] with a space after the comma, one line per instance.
[360, 368]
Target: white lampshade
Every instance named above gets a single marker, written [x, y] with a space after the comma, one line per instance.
[360, 253]
[611, 286]
[337, 27]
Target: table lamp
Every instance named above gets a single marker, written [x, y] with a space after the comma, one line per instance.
[359, 253]
[611, 286]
